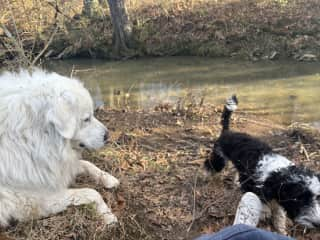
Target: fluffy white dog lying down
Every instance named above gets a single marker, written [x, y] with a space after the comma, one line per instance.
[45, 121]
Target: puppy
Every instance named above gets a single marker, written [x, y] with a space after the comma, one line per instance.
[45, 121]
[273, 178]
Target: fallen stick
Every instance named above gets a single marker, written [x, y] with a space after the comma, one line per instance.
[194, 217]
[304, 151]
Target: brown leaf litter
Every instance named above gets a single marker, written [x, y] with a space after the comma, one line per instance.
[163, 194]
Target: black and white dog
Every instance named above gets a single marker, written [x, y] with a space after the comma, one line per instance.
[270, 176]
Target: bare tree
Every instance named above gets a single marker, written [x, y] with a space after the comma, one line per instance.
[122, 28]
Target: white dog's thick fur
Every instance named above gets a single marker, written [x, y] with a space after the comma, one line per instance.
[45, 121]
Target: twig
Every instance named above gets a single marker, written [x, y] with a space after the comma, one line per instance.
[50, 39]
[85, 70]
[141, 229]
[57, 9]
[6, 31]
[16, 44]
[205, 209]
[60, 11]
[75, 71]
[64, 51]
[72, 71]
[194, 202]
[263, 124]
[196, 162]
[46, 46]
[304, 150]
[16, 29]
[147, 147]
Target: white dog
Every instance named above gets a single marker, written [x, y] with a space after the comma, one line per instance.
[45, 121]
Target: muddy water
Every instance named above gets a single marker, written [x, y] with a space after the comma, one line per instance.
[283, 91]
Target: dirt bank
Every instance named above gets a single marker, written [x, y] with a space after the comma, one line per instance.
[158, 157]
[254, 30]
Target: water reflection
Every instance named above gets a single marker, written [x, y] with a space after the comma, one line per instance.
[284, 91]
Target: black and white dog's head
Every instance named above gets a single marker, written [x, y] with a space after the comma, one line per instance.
[297, 190]
[267, 174]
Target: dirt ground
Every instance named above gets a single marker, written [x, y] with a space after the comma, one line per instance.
[164, 194]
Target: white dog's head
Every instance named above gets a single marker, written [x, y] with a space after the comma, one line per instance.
[72, 114]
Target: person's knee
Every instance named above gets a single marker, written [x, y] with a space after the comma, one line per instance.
[243, 232]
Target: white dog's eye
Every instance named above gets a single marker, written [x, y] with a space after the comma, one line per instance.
[87, 119]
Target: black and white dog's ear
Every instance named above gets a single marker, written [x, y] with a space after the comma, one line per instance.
[216, 160]
[63, 114]
[293, 196]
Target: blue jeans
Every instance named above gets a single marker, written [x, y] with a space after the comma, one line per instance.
[243, 232]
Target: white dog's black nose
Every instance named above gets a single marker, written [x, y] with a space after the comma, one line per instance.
[106, 136]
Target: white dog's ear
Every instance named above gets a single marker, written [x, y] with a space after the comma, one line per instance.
[63, 114]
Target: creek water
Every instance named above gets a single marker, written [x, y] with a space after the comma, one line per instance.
[283, 91]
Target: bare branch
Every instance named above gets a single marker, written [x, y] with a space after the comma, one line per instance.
[17, 45]
[46, 46]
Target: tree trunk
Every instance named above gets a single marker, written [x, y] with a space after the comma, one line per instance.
[122, 28]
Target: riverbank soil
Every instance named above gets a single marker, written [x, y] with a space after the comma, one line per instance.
[255, 30]
[158, 156]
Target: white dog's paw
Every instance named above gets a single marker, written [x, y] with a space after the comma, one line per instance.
[110, 219]
[109, 181]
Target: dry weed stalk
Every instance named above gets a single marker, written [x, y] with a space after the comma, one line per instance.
[14, 43]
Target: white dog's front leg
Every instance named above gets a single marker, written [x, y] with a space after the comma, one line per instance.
[98, 175]
[23, 206]
[58, 202]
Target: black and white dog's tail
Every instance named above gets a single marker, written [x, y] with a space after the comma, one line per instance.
[230, 106]
[217, 161]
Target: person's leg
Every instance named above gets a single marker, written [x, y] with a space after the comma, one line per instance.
[243, 232]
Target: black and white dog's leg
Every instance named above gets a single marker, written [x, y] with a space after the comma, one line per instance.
[98, 175]
[236, 179]
[216, 161]
[279, 218]
[249, 210]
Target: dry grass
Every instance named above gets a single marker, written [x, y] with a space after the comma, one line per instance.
[247, 29]
[35, 16]
[28, 28]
